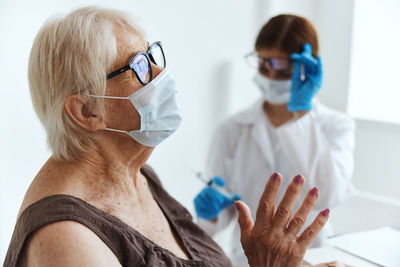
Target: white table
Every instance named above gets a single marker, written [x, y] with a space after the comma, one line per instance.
[327, 254]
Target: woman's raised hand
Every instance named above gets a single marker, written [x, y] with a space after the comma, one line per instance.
[272, 239]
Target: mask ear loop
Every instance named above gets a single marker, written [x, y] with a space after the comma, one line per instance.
[112, 97]
[116, 130]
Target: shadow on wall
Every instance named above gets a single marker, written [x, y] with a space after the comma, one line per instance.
[366, 211]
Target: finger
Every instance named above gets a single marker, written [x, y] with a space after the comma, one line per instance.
[296, 71]
[311, 232]
[266, 206]
[307, 49]
[218, 181]
[319, 64]
[296, 57]
[236, 197]
[245, 221]
[227, 202]
[301, 215]
[284, 210]
[310, 64]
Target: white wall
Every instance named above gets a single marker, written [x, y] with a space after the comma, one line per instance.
[373, 95]
[375, 62]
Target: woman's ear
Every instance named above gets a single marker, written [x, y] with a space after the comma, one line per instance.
[77, 107]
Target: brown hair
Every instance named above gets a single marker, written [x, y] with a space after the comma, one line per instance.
[288, 33]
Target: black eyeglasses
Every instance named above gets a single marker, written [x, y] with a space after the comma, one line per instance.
[141, 63]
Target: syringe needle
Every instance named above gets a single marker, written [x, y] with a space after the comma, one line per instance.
[200, 177]
[197, 174]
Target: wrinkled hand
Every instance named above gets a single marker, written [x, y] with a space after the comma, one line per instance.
[302, 91]
[272, 239]
[209, 202]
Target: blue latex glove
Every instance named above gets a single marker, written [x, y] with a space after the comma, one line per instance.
[209, 202]
[302, 92]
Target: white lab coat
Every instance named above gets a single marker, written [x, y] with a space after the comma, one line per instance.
[246, 149]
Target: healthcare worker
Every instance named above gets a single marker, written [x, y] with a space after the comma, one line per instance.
[287, 130]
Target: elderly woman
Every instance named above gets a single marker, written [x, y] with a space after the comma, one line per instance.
[106, 100]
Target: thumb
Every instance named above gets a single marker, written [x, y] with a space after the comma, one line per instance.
[307, 49]
[236, 197]
[296, 71]
[246, 223]
[218, 181]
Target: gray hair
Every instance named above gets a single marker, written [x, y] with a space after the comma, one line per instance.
[72, 54]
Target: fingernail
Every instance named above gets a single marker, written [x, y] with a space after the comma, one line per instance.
[326, 212]
[275, 177]
[314, 192]
[236, 205]
[298, 179]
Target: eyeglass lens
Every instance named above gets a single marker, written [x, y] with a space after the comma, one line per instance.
[279, 64]
[156, 55]
[141, 65]
[276, 64]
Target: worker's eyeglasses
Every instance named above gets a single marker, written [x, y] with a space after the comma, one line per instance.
[141, 63]
[278, 64]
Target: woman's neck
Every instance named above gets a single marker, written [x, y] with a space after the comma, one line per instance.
[111, 171]
[277, 114]
[113, 166]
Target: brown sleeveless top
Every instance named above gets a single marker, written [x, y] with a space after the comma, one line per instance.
[129, 246]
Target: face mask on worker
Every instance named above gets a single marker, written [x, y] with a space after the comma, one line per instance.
[274, 91]
[159, 110]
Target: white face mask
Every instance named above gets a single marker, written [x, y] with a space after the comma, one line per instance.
[158, 107]
[274, 91]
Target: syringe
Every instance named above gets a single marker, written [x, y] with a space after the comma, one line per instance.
[302, 73]
[201, 176]
[303, 70]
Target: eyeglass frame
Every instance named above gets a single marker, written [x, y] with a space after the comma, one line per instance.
[267, 60]
[149, 58]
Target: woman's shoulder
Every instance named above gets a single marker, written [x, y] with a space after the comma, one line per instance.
[53, 178]
[56, 243]
[327, 116]
[54, 227]
[41, 187]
